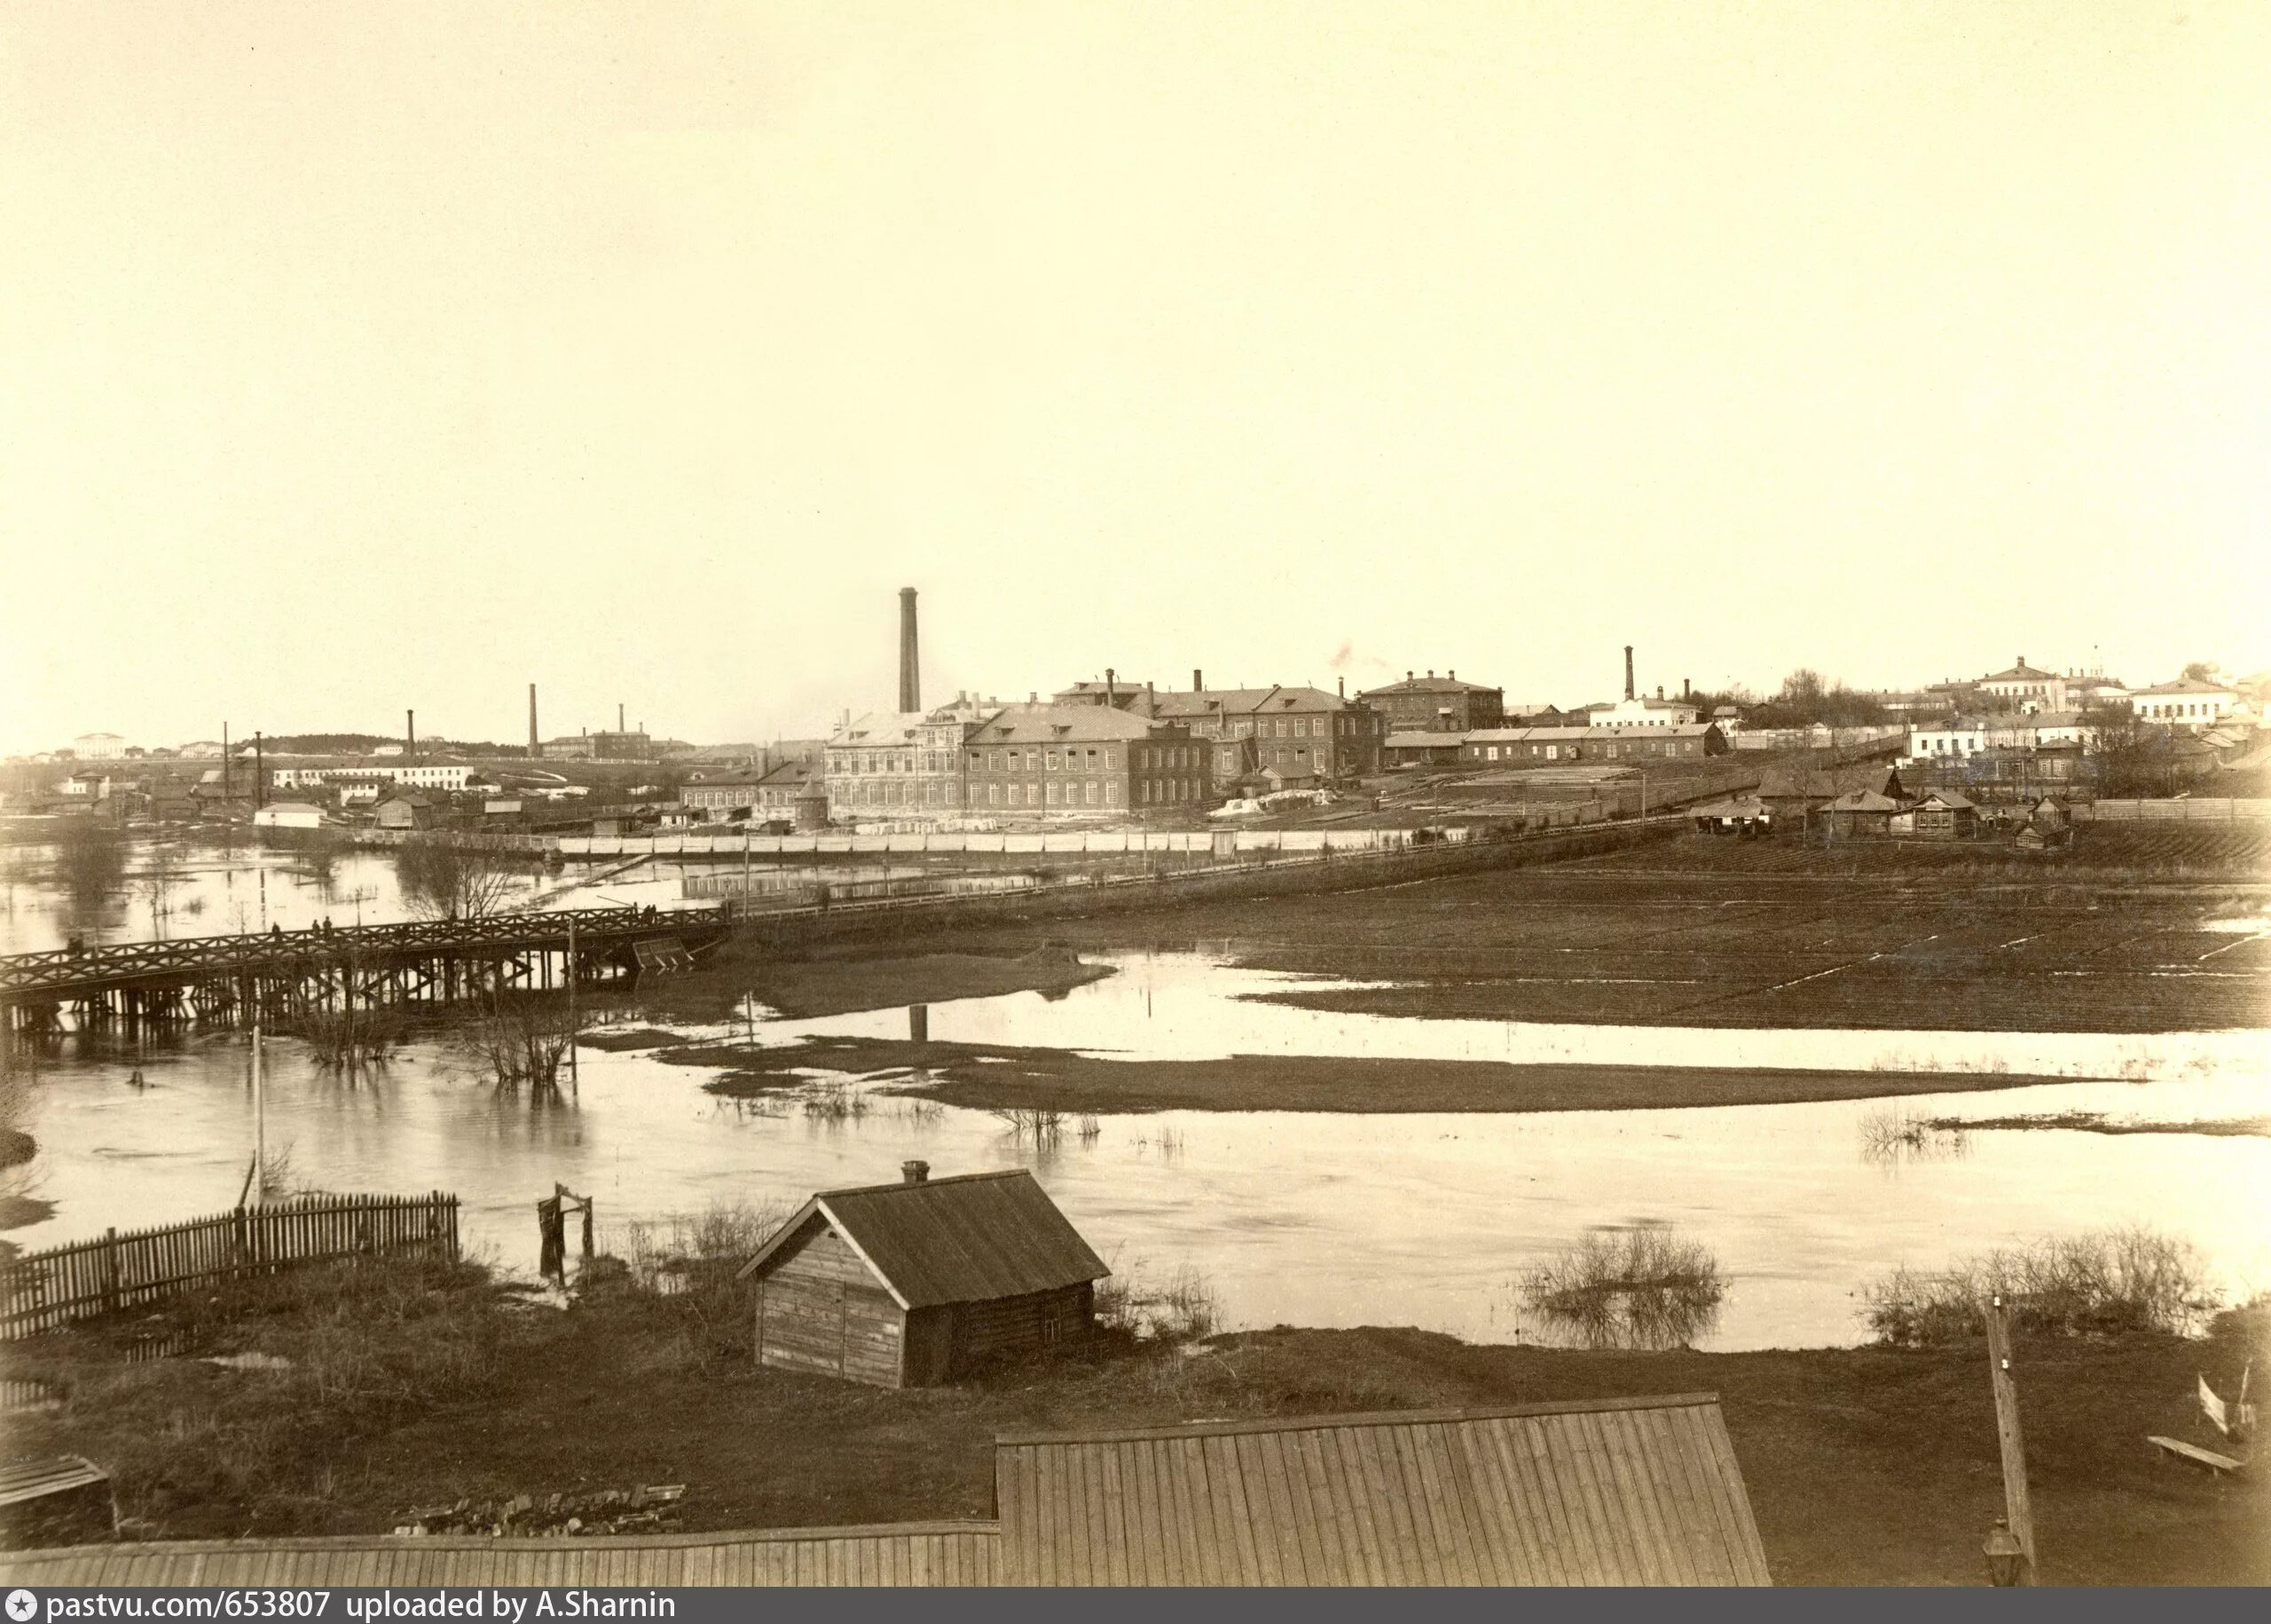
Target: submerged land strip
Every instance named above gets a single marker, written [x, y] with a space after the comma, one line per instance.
[994, 1077]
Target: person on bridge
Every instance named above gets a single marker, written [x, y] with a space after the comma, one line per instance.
[277, 931]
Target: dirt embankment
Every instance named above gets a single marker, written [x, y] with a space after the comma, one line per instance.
[999, 1078]
[1865, 1466]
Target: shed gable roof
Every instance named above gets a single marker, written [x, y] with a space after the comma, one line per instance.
[1633, 1491]
[967, 1239]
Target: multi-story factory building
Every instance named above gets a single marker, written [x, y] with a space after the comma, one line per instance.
[1083, 760]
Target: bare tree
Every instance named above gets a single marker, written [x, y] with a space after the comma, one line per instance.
[444, 878]
[518, 1038]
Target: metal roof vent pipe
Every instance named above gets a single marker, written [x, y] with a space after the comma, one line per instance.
[915, 1173]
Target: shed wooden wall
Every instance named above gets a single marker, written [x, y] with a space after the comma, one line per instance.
[945, 1342]
[818, 1307]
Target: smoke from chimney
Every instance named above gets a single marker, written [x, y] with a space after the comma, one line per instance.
[911, 679]
[1628, 671]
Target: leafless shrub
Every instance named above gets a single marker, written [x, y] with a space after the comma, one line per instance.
[1088, 1128]
[1039, 1125]
[1893, 1133]
[836, 1102]
[2104, 1283]
[1181, 1306]
[517, 1039]
[1640, 1287]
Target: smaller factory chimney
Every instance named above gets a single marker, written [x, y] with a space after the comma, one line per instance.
[1342, 686]
[535, 749]
[1198, 680]
[619, 716]
[1686, 691]
[410, 736]
[911, 680]
[1628, 671]
[1111, 688]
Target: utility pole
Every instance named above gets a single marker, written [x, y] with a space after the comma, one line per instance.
[2018, 1512]
[259, 1127]
[574, 1079]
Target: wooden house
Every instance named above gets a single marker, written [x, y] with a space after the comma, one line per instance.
[910, 1284]
[1946, 815]
[1735, 814]
[404, 810]
[1796, 793]
[1861, 811]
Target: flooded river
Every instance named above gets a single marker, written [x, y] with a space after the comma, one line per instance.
[144, 890]
[1308, 1218]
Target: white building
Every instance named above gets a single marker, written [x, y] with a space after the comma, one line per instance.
[446, 778]
[2184, 703]
[98, 747]
[2033, 689]
[1645, 712]
[1956, 736]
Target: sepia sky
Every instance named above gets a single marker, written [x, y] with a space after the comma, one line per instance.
[359, 356]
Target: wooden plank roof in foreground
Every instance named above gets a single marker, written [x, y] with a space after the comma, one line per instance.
[1610, 1492]
[937, 1553]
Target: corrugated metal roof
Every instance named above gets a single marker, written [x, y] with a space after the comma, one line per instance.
[29, 1479]
[1422, 741]
[939, 1553]
[1637, 1491]
[961, 1240]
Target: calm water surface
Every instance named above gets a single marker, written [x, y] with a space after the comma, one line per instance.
[1305, 1219]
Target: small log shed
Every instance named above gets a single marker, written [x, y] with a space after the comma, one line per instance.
[911, 1284]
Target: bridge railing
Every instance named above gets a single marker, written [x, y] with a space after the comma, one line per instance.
[62, 968]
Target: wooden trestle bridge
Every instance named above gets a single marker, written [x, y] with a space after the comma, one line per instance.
[283, 973]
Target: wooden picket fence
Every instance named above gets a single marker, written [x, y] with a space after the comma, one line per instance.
[41, 1290]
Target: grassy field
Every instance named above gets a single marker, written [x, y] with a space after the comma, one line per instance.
[406, 1389]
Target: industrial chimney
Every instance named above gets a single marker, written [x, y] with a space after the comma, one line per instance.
[535, 749]
[1111, 688]
[1198, 680]
[1628, 671]
[910, 676]
[619, 716]
[410, 736]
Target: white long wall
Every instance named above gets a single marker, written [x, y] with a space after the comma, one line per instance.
[1068, 840]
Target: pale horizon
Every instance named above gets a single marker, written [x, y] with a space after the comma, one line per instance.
[378, 358]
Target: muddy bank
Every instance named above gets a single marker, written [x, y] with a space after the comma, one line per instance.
[1004, 1078]
[1700, 940]
[1862, 1466]
[2098, 1122]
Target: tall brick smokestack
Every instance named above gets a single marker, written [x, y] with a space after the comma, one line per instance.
[1628, 671]
[410, 736]
[910, 669]
[535, 749]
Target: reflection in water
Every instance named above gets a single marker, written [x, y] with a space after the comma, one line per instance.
[1893, 1135]
[1325, 1218]
[1640, 1287]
